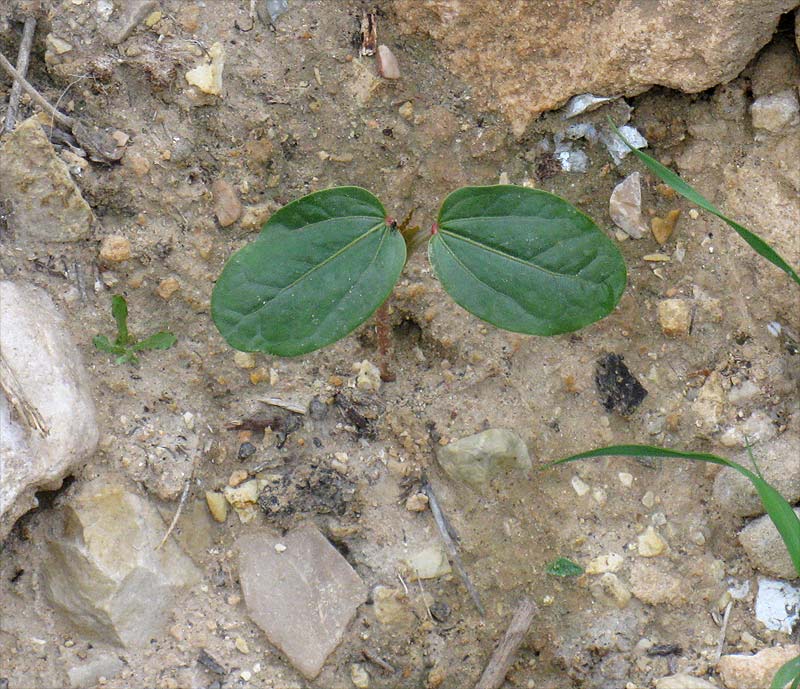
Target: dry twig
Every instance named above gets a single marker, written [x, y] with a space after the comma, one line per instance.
[184, 497]
[496, 669]
[449, 536]
[23, 57]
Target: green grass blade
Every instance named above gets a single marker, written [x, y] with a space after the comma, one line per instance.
[777, 507]
[119, 309]
[672, 179]
[788, 672]
[160, 340]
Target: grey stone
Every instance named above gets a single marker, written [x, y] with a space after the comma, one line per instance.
[45, 205]
[779, 462]
[478, 458]
[86, 676]
[776, 112]
[301, 592]
[47, 417]
[765, 548]
[103, 569]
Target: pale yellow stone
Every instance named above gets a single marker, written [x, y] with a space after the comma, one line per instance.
[650, 543]
[208, 77]
[217, 506]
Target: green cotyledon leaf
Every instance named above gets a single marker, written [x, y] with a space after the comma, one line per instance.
[525, 260]
[320, 267]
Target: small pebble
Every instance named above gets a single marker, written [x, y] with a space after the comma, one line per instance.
[600, 496]
[387, 63]
[625, 478]
[217, 505]
[237, 477]
[245, 360]
[115, 249]
[227, 206]
[694, 214]
[579, 486]
[610, 562]
[417, 502]
[649, 499]
[406, 110]
[280, 548]
[167, 288]
[662, 228]
[241, 645]
[245, 675]
[650, 544]
[246, 450]
[674, 317]
[359, 676]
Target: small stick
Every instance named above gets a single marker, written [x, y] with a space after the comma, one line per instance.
[383, 330]
[377, 660]
[63, 120]
[496, 669]
[23, 58]
[723, 632]
[448, 535]
[422, 592]
[184, 496]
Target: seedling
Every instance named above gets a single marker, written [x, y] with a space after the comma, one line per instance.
[124, 345]
[521, 259]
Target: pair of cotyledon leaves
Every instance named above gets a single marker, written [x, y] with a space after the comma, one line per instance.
[521, 259]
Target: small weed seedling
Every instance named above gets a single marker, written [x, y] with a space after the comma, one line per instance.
[521, 259]
[125, 346]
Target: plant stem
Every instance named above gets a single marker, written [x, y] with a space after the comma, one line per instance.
[383, 329]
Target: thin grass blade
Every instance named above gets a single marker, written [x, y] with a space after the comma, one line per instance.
[777, 507]
[672, 179]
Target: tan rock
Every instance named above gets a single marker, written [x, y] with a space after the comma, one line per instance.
[650, 543]
[104, 570]
[115, 249]
[227, 206]
[533, 56]
[656, 582]
[754, 671]
[167, 287]
[217, 505]
[662, 228]
[44, 203]
[674, 317]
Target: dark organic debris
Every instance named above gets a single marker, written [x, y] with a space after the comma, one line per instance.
[308, 488]
[282, 424]
[209, 663]
[360, 410]
[619, 389]
[664, 650]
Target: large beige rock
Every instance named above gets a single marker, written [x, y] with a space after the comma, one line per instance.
[44, 203]
[533, 56]
[47, 416]
[104, 569]
[300, 591]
